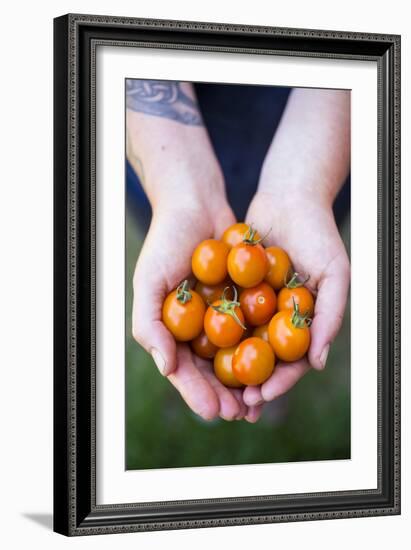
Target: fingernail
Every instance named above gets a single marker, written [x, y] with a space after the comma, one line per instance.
[324, 355]
[159, 361]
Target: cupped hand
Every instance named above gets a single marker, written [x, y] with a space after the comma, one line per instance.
[305, 227]
[165, 260]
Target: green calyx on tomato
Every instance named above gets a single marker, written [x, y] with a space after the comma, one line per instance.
[298, 320]
[228, 306]
[294, 282]
[249, 236]
[183, 292]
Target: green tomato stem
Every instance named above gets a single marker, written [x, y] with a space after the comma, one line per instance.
[227, 307]
[249, 236]
[295, 283]
[183, 292]
[298, 320]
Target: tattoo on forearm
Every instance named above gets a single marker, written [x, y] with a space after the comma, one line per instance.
[163, 99]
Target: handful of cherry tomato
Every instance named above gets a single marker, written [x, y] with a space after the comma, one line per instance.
[247, 308]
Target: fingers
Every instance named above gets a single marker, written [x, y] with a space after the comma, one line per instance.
[285, 376]
[229, 407]
[252, 396]
[193, 386]
[280, 382]
[254, 414]
[238, 394]
[329, 310]
[202, 391]
[147, 327]
[156, 339]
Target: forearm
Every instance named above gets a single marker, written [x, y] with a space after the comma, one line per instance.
[310, 153]
[167, 143]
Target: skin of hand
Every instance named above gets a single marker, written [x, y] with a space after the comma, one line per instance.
[164, 262]
[185, 186]
[305, 167]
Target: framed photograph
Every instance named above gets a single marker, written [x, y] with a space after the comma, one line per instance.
[227, 274]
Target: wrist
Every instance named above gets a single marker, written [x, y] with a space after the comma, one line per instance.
[178, 169]
[287, 191]
[193, 213]
[188, 187]
[300, 178]
[281, 212]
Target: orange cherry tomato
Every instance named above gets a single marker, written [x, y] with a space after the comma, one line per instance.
[261, 332]
[302, 297]
[212, 293]
[289, 335]
[247, 264]
[203, 347]
[183, 313]
[253, 361]
[236, 233]
[224, 322]
[209, 261]
[223, 367]
[258, 304]
[279, 267]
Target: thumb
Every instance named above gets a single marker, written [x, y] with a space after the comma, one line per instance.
[148, 329]
[329, 310]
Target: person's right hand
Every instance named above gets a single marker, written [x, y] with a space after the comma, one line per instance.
[164, 262]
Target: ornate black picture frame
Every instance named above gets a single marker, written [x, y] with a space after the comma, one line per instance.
[75, 41]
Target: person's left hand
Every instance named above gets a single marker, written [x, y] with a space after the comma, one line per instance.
[305, 227]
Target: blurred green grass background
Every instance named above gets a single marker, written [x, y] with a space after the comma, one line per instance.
[312, 422]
